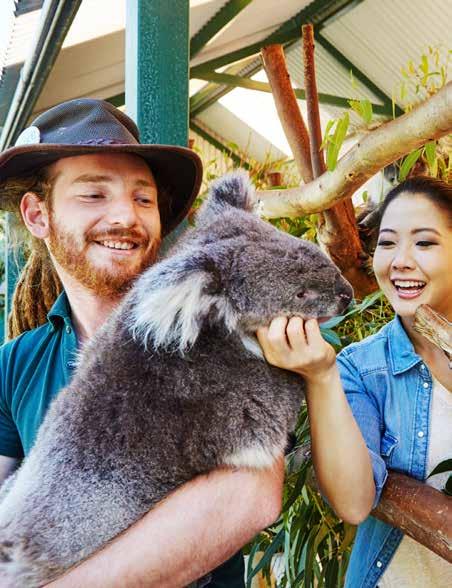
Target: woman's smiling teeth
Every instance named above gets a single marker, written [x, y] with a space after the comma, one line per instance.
[117, 244]
[408, 288]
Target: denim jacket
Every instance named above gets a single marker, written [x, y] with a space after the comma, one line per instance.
[389, 389]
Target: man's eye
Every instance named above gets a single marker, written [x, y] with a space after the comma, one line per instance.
[91, 196]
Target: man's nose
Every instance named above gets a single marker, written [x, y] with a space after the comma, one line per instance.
[122, 212]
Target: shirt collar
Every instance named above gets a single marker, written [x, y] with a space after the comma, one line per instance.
[401, 350]
[60, 311]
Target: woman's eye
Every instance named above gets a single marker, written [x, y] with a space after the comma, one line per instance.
[425, 243]
[145, 200]
[384, 243]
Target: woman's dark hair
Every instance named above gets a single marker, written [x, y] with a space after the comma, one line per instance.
[437, 191]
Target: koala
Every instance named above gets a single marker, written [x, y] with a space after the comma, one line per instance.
[172, 386]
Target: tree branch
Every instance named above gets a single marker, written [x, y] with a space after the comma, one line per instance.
[312, 101]
[429, 121]
[288, 111]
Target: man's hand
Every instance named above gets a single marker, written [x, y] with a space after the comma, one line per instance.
[298, 346]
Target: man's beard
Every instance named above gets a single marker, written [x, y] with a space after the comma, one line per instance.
[109, 282]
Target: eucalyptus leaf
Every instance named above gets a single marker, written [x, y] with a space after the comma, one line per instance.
[274, 546]
[408, 163]
[444, 466]
[331, 337]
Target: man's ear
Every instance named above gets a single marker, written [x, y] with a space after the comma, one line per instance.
[35, 214]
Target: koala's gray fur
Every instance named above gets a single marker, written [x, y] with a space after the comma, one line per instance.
[172, 386]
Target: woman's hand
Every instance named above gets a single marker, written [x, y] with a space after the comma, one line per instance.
[298, 346]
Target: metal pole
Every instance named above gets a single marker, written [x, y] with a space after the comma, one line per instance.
[157, 69]
[157, 72]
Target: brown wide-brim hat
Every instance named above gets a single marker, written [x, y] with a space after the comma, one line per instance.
[84, 126]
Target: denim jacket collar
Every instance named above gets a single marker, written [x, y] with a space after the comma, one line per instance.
[402, 355]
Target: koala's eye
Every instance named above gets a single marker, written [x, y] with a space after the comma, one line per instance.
[301, 294]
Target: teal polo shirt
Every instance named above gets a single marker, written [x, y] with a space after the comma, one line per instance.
[34, 367]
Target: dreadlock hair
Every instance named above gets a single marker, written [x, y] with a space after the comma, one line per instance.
[38, 285]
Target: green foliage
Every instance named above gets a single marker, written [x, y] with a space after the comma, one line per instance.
[363, 109]
[335, 133]
[422, 80]
[419, 82]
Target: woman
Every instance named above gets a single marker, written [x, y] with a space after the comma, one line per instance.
[386, 402]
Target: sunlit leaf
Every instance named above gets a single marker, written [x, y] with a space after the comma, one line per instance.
[408, 163]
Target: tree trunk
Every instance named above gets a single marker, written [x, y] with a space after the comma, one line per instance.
[337, 230]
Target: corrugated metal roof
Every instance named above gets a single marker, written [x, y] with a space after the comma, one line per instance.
[19, 21]
[258, 20]
[380, 37]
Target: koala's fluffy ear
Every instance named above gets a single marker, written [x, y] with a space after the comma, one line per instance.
[171, 300]
[232, 190]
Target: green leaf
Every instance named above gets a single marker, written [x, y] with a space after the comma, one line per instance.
[430, 152]
[328, 128]
[448, 487]
[424, 64]
[335, 142]
[331, 337]
[367, 111]
[408, 163]
[268, 554]
[444, 466]
[350, 532]
[431, 157]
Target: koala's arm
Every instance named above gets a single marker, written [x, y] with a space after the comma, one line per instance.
[190, 533]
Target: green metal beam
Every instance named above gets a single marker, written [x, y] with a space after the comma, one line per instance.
[118, 100]
[213, 92]
[221, 18]
[357, 73]
[218, 145]
[157, 62]
[237, 81]
[317, 12]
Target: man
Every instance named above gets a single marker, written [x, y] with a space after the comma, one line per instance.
[100, 202]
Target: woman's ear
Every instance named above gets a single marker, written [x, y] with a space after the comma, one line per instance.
[35, 214]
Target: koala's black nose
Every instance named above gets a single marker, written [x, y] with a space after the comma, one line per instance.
[344, 291]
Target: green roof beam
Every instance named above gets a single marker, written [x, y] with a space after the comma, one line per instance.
[329, 99]
[239, 161]
[211, 93]
[317, 12]
[217, 23]
[357, 73]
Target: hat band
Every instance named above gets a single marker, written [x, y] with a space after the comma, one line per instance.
[101, 141]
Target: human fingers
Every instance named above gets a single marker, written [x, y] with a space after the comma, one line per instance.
[321, 351]
[296, 333]
[277, 336]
